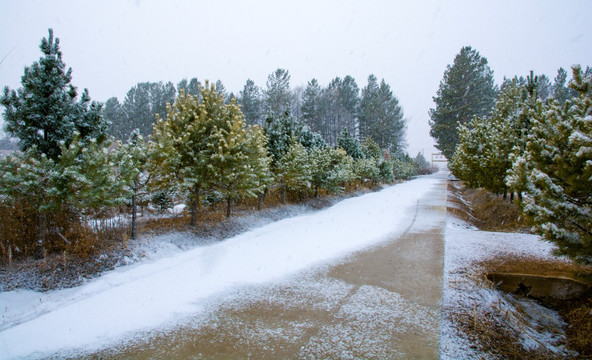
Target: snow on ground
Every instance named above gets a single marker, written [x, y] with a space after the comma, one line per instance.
[464, 291]
[158, 291]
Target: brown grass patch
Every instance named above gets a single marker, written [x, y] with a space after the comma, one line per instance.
[488, 330]
[485, 210]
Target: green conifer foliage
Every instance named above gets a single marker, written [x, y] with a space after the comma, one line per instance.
[350, 144]
[44, 112]
[555, 171]
[331, 168]
[203, 146]
[467, 90]
[293, 170]
[135, 170]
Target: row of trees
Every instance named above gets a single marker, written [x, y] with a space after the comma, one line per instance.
[372, 112]
[71, 173]
[468, 90]
[537, 144]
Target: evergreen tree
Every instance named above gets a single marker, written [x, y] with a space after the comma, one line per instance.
[280, 132]
[340, 103]
[44, 112]
[190, 87]
[381, 116]
[83, 178]
[221, 90]
[181, 145]
[114, 117]
[370, 149]
[296, 101]
[140, 107]
[203, 146]
[403, 166]
[250, 102]
[311, 106]
[544, 87]
[135, 170]
[369, 105]
[561, 91]
[239, 165]
[350, 144]
[310, 139]
[467, 90]
[138, 111]
[293, 169]
[556, 171]
[421, 162]
[277, 95]
[331, 168]
[366, 170]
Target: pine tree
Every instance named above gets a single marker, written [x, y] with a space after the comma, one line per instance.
[83, 177]
[277, 95]
[369, 107]
[311, 106]
[135, 170]
[181, 145]
[381, 116]
[239, 165]
[350, 144]
[190, 87]
[366, 170]
[556, 171]
[293, 169]
[340, 103]
[250, 103]
[561, 91]
[467, 90]
[44, 112]
[331, 168]
[421, 162]
[114, 117]
[204, 147]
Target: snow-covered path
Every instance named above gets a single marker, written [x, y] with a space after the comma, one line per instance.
[159, 293]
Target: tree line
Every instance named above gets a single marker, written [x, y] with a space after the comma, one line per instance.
[372, 112]
[530, 137]
[200, 150]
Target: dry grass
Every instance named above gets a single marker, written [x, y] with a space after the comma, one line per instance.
[579, 331]
[485, 210]
[489, 331]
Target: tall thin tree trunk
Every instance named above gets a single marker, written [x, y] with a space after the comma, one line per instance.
[228, 206]
[260, 201]
[134, 213]
[284, 195]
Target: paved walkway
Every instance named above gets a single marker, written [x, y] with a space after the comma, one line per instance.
[382, 303]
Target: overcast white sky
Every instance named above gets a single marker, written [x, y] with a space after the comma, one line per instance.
[113, 45]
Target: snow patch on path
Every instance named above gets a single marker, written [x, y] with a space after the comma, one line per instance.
[152, 294]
